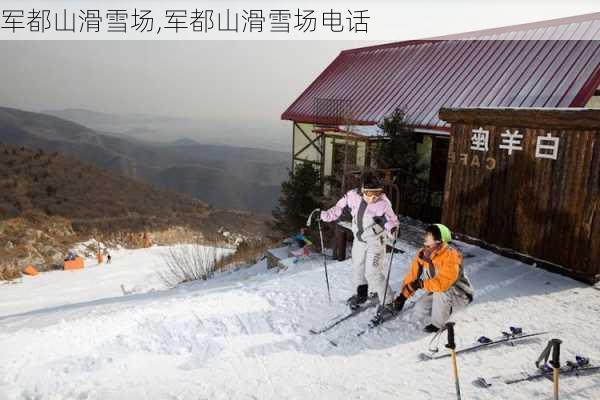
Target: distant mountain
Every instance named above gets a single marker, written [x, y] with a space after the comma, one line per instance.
[165, 129]
[37, 181]
[184, 142]
[206, 183]
[229, 177]
[116, 122]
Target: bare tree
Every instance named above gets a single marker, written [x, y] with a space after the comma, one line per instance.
[186, 263]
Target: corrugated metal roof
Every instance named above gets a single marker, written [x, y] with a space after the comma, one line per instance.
[545, 64]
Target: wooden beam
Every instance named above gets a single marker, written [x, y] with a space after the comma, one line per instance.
[323, 144]
[310, 141]
[308, 145]
[532, 117]
[293, 145]
[343, 135]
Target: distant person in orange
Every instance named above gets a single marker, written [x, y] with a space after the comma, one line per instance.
[70, 256]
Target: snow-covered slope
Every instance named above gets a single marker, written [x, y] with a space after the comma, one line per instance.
[131, 271]
[245, 335]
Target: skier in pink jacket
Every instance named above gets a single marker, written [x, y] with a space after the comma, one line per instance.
[373, 222]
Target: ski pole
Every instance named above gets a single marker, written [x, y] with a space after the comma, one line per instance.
[387, 278]
[555, 364]
[452, 346]
[310, 217]
[308, 223]
[324, 261]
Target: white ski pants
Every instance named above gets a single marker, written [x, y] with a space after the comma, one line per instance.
[368, 267]
[439, 305]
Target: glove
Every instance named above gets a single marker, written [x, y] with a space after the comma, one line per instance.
[316, 217]
[415, 285]
[399, 302]
[392, 234]
[379, 220]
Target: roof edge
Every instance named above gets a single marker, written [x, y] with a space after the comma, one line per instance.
[545, 118]
[481, 32]
[587, 90]
[388, 45]
[307, 119]
[286, 113]
[520, 27]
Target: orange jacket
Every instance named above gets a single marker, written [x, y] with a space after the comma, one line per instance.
[439, 275]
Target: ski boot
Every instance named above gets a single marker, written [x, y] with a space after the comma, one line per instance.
[580, 362]
[484, 340]
[546, 368]
[383, 312]
[361, 296]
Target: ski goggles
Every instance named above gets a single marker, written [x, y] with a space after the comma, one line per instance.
[372, 193]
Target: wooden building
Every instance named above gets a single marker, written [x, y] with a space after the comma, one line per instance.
[502, 79]
[546, 64]
[528, 180]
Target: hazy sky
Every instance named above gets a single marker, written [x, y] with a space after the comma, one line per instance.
[248, 83]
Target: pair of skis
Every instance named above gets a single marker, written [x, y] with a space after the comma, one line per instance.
[372, 325]
[352, 313]
[385, 318]
[335, 321]
[513, 336]
[579, 367]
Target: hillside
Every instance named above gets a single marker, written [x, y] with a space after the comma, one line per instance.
[245, 335]
[153, 162]
[61, 186]
[48, 201]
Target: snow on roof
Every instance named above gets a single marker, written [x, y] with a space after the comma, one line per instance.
[363, 130]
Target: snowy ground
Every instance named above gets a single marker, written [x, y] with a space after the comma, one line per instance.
[75, 335]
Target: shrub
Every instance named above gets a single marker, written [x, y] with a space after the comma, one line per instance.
[9, 272]
[246, 253]
[300, 194]
[187, 263]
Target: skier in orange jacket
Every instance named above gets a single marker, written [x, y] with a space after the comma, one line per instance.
[437, 269]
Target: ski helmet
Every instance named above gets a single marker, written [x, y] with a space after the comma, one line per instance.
[440, 232]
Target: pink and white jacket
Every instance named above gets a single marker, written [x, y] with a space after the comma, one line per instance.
[367, 219]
